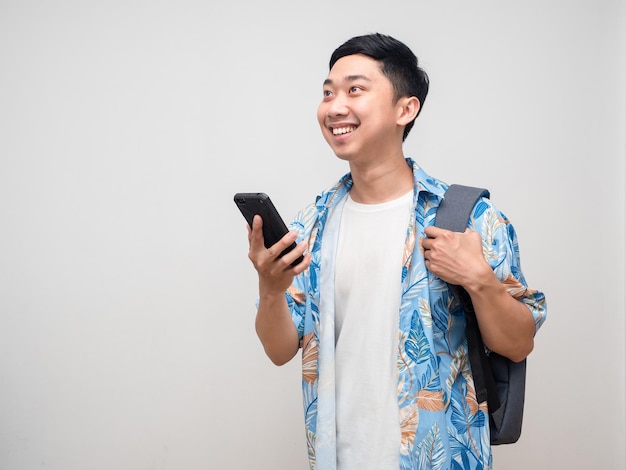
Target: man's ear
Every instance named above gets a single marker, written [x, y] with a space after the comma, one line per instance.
[408, 107]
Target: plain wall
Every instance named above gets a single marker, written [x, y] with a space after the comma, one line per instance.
[127, 301]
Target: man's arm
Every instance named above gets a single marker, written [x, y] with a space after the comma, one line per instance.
[506, 324]
[274, 325]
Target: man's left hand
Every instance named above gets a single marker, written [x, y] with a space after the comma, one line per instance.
[455, 257]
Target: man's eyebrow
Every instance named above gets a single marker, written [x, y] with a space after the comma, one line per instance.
[350, 78]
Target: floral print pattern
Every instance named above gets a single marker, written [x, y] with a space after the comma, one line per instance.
[442, 424]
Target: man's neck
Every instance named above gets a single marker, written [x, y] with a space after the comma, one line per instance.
[380, 181]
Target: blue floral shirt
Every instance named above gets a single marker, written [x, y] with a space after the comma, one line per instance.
[442, 424]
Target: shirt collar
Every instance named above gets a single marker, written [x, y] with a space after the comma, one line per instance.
[423, 182]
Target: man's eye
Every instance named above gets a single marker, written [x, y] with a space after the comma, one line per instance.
[354, 89]
[326, 93]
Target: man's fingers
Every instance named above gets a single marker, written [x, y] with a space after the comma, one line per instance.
[434, 232]
[303, 265]
[281, 245]
[293, 255]
[257, 245]
[255, 234]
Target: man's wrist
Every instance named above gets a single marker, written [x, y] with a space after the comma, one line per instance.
[481, 280]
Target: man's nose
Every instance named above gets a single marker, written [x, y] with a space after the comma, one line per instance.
[338, 106]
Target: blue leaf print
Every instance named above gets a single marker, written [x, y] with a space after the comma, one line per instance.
[432, 454]
[511, 232]
[481, 207]
[440, 314]
[462, 420]
[464, 452]
[465, 460]
[425, 382]
[431, 212]
[416, 345]
[313, 270]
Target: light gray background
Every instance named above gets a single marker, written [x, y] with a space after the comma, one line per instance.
[126, 296]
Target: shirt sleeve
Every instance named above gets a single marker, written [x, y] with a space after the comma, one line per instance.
[298, 293]
[501, 250]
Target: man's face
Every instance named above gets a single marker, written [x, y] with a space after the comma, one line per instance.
[357, 115]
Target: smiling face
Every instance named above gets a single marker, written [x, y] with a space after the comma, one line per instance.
[359, 115]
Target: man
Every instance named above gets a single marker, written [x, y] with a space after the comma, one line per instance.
[386, 378]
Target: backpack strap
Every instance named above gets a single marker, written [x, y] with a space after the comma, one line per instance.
[457, 205]
[453, 214]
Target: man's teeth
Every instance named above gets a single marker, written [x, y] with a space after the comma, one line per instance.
[343, 130]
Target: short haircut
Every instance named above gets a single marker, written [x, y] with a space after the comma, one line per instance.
[398, 64]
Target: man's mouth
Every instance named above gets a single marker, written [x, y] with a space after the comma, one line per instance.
[343, 130]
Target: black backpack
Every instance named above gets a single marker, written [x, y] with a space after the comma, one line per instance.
[497, 379]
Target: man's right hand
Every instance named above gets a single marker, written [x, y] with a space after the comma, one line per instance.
[275, 273]
[274, 325]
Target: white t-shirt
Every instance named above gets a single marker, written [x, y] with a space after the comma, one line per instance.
[367, 302]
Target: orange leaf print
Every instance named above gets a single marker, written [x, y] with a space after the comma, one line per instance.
[431, 401]
[310, 349]
[409, 419]
[298, 296]
[470, 398]
[408, 249]
[516, 288]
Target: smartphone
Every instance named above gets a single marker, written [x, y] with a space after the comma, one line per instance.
[274, 228]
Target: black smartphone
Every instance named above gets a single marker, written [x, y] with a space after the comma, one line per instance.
[274, 227]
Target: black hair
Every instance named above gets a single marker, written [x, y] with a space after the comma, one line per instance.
[398, 64]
